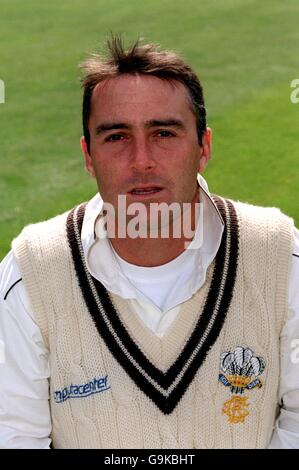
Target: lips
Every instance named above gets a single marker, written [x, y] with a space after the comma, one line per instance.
[145, 190]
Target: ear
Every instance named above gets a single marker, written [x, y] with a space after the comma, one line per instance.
[205, 149]
[88, 159]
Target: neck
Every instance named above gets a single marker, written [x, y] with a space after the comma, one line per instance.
[149, 252]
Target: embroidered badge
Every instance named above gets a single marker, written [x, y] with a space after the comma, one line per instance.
[241, 369]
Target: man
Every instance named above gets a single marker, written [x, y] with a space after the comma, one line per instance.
[149, 341]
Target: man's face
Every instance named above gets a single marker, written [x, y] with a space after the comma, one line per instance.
[143, 141]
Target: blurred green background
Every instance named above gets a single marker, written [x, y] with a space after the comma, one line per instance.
[245, 53]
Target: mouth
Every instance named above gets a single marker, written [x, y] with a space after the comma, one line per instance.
[146, 191]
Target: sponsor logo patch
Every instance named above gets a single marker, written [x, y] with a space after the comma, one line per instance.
[95, 385]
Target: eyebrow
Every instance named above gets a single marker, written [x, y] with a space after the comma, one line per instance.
[109, 126]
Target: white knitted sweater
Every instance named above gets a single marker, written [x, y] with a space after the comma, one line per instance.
[210, 382]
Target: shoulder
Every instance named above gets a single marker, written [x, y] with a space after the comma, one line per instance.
[42, 249]
[10, 271]
[265, 223]
[10, 275]
[252, 211]
[47, 236]
[296, 243]
[266, 238]
[46, 226]
[13, 295]
[294, 278]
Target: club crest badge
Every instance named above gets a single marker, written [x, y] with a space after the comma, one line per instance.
[239, 370]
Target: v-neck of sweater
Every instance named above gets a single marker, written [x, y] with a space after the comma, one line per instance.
[162, 351]
[164, 380]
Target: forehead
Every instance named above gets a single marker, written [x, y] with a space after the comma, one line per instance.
[140, 94]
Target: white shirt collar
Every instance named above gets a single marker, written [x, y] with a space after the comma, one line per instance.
[95, 206]
[103, 264]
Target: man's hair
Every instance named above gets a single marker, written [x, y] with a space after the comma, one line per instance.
[143, 59]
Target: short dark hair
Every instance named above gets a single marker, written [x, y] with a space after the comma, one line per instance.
[146, 59]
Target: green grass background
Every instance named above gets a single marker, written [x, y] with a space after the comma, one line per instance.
[246, 53]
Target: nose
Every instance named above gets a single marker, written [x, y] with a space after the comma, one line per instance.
[141, 155]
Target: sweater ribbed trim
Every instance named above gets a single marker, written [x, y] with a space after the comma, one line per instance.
[165, 389]
[284, 261]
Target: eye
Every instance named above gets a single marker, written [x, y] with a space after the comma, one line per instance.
[165, 134]
[114, 138]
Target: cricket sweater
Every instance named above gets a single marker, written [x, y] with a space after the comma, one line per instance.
[210, 382]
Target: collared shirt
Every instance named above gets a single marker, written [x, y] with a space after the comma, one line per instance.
[155, 294]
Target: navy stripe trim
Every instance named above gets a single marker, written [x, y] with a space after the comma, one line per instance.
[297, 256]
[12, 287]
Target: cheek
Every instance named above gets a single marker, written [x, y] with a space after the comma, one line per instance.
[185, 173]
[108, 179]
[186, 164]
